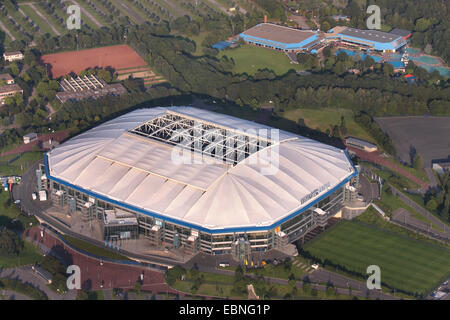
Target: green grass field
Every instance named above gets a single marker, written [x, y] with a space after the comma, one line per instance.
[249, 59]
[20, 165]
[405, 263]
[327, 118]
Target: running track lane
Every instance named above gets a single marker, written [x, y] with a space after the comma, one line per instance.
[375, 157]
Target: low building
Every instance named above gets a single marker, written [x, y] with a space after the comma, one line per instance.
[7, 78]
[369, 40]
[9, 90]
[281, 38]
[360, 144]
[76, 89]
[441, 165]
[29, 137]
[13, 56]
[119, 225]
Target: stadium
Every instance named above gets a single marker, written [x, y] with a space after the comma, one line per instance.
[233, 188]
[280, 38]
[367, 39]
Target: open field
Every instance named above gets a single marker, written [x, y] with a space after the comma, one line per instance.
[406, 264]
[249, 59]
[116, 57]
[425, 134]
[327, 118]
[20, 165]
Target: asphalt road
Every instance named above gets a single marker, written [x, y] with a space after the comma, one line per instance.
[421, 210]
[25, 274]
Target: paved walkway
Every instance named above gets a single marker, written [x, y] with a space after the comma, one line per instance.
[445, 229]
[5, 29]
[25, 274]
[31, 4]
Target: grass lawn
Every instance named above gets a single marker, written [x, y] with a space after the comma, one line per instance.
[327, 118]
[249, 59]
[421, 202]
[222, 286]
[43, 26]
[19, 166]
[406, 264]
[389, 203]
[93, 249]
[8, 213]
[29, 255]
[198, 39]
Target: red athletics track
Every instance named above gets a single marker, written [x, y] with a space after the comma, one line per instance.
[375, 157]
[114, 275]
[117, 57]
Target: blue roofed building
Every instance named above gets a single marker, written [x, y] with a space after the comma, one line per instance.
[373, 40]
[282, 38]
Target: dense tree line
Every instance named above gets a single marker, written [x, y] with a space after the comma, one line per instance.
[10, 242]
[439, 201]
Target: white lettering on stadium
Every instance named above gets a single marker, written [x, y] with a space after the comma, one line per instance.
[315, 193]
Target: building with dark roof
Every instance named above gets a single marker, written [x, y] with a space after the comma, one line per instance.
[80, 88]
[280, 38]
[9, 90]
[405, 34]
[367, 39]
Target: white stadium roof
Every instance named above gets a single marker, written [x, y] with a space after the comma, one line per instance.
[130, 161]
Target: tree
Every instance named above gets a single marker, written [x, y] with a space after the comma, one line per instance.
[14, 68]
[417, 162]
[432, 204]
[10, 243]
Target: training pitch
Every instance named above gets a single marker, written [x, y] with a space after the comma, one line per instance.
[116, 57]
[405, 263]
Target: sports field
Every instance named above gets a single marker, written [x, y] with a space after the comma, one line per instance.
[406, 264]
[116, 57]
[249, 59]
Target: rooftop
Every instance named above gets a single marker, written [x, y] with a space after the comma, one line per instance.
[278, 33]
[132, 161]
[12, 53]
[10, 88]
[360, 142]
[119, 217]
[6, 77]
[371, 35]
[400, 32]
